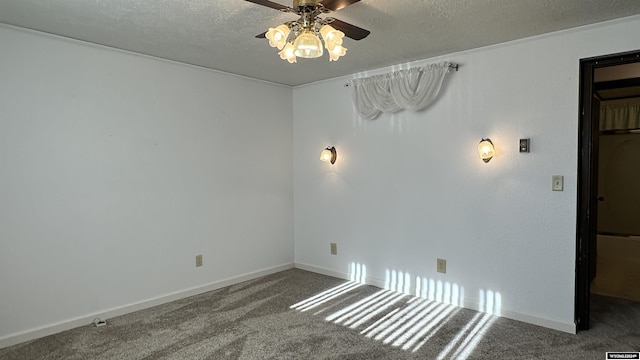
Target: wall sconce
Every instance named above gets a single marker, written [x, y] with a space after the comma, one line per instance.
[329, 155]
[486, 150]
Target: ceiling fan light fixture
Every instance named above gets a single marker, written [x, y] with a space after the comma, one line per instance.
[278, 36]
[336, 52]
[287, 53]
[307, 45]
[308, 36]
[331, 35]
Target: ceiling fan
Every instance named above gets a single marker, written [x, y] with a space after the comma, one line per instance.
[304, 40]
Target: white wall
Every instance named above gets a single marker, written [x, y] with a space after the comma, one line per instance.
[409, 188]
[116, 170]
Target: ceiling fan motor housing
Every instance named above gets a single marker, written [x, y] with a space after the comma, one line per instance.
[298, 3]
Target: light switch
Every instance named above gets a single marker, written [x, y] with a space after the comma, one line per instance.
[557, 182]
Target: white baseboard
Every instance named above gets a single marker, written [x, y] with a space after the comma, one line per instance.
[530, 319]
[83, 320]
[468, 304]
[322, 270]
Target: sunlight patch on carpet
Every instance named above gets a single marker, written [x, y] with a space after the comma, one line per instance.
[325, 296]
[409, 311]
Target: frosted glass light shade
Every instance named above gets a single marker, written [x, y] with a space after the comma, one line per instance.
[333, 42]
[486, 150]
[329, 155]
[330, 34]
[307, 45]
[287, 53]
[278, 36]
[336, 52]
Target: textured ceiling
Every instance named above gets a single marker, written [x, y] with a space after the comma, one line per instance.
[219, 34]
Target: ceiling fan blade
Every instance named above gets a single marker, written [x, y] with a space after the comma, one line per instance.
[270, 4]
[349, 30]
[335, 5]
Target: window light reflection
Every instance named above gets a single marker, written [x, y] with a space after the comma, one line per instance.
[408, 312]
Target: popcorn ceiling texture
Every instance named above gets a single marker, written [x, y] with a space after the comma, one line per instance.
[219, 34]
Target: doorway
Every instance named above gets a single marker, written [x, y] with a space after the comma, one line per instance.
[592, 92]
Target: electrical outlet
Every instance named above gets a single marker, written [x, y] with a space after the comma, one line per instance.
[334, 249]
[198, 260]
[442, 266]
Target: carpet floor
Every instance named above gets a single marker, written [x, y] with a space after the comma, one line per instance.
[297, 314]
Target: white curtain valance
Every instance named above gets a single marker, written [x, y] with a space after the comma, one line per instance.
[620, 116]
[413, 89]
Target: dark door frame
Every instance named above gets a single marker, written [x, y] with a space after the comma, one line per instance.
[588, 133]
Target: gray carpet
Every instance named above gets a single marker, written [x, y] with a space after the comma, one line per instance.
[301, 315]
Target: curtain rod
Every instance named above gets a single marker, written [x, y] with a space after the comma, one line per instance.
[451, 66]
